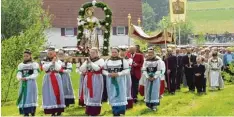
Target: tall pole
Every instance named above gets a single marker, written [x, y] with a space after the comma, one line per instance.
[129, 28]
[174, 31]
[178, 21]
[179, 35]
[165, 32]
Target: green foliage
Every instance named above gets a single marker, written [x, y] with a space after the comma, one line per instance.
[31, 29]
[201, 39]
[15, 10]
[186, 29]
[160, 8]
[149, 23]
[165, 23]
[228, 76]
[105, 23]
[141, 43]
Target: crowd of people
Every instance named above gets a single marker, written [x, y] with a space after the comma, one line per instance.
[119, 78]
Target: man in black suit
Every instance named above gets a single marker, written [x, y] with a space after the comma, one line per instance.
[179, 68]
[170, 62]
[189, 61]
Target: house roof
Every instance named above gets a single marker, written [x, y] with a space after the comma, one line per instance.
[65, 12]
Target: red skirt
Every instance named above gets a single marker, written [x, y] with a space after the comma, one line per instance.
[141, 90]
[162, 87]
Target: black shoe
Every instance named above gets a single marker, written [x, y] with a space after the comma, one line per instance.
[135, 100]
[116, 115]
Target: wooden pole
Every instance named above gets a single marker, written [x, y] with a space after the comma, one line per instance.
[174, 36]
[165, 32]
[129, 28]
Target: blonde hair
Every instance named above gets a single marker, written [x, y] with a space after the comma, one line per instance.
[96, 50]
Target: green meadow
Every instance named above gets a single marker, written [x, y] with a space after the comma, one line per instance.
[183, 103]
[213, 16]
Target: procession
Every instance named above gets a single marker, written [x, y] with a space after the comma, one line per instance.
[113, 64]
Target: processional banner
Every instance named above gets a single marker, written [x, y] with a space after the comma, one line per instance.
[178, 10]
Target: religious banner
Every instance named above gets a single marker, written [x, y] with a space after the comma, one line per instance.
[178, 10]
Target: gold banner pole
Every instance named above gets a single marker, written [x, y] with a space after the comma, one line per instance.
[129, 28]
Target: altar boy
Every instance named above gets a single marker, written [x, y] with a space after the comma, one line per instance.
[199, 71]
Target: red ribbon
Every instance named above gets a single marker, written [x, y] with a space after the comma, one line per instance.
[55, 87]
[90, 81]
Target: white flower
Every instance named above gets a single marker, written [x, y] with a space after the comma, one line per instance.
[107, 24]
[81, 8]
[78, 39]
[106, 31]
[105, 8]
[79, 31]
[107, 15]
[105, 39]
[81, 23]
[94, 2]
[105, 47]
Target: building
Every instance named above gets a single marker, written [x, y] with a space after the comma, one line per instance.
[64, 20]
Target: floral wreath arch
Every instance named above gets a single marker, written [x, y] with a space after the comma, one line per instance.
[106, 23]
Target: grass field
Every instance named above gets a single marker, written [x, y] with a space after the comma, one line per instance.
[217, 103]
[197, 5]
[206, 16]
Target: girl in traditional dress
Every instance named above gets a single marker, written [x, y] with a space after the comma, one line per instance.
[116, 69]
[66, 80]
[215, 64]
[128, 78]
[162, 77]
[27, 74]
[81, 84]
[151, 75]
[93, 83]
[52, 88]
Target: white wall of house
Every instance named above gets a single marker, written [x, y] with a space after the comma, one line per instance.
[54, 38]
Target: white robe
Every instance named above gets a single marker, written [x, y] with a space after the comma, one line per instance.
[215, 77]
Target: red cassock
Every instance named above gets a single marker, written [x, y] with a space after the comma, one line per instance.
[139, 60]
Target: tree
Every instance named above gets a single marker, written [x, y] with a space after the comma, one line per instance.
[13, 11]
[24, 22]
[149, 23]
[160, 8]
[200, 40]
[186, 29]
[143, 44]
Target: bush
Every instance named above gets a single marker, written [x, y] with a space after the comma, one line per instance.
[227, 76]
